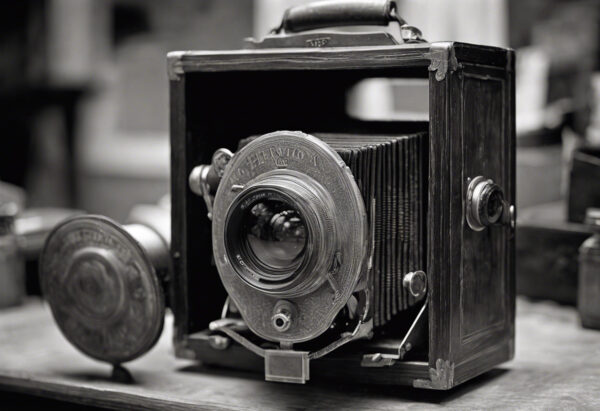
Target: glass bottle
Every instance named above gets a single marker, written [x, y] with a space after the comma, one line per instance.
[588, 298]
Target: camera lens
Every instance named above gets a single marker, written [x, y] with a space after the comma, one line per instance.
[278, 234]
[275, 233]
[268, 234]
[494, 206]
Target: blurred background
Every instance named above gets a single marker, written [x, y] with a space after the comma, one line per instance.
[84, 90]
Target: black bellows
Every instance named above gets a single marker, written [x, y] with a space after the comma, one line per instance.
[389, 171]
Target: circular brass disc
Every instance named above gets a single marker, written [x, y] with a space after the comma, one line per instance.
[102, 289]
[302, 154]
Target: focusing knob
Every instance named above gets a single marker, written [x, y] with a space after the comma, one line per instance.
[204, 179]
[415, 283]
[485, 204]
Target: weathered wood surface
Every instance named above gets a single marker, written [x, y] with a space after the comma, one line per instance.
[557, 366]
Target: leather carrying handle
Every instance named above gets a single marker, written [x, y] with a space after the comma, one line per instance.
[336, 13]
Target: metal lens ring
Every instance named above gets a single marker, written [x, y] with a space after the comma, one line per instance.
[316, 261]
[277, 231]
[485, 203]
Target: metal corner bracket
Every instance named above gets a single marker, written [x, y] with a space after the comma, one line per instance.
[174, 65]
[440, 378]
[442, 59]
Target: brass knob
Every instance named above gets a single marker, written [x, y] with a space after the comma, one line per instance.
[485, 204]
[415, 283]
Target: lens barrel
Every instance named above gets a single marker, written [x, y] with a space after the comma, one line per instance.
[279, 233]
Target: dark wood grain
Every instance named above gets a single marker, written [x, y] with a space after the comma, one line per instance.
[440, 314]
[471, 274]
[35, 359]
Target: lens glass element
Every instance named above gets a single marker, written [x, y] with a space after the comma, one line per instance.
[494, 206]
[275, 233]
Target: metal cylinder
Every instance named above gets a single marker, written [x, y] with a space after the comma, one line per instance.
[105, 285]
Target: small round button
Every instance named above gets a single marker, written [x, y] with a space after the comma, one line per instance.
[415, 283]
[283, 315]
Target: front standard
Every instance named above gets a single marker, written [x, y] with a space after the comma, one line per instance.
[308, 242]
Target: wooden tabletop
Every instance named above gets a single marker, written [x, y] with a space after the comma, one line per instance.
[557, 366]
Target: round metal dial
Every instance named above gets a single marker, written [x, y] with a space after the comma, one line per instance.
[102, 289]
[485, 203]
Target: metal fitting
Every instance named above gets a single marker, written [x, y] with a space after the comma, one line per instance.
[415, 283]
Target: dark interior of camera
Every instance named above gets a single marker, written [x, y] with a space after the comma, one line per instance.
[225, 109]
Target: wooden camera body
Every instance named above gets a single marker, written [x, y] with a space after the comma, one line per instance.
[300, 83]
[309, 241]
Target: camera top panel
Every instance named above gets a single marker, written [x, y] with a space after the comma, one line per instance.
[438, 56]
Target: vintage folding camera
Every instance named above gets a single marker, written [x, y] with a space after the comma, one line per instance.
[306, 242]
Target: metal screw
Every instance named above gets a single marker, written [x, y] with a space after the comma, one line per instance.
[282, 321]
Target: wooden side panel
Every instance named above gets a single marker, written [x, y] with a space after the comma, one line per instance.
[484, 259]
[178, 240]
[197, 292]
[438, 215]
[485, 300]
[471, 274]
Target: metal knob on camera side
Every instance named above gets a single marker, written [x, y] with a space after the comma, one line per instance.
[416, 283]
[204, 179]
[588, 296]
[104, 283]
[486, 205]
